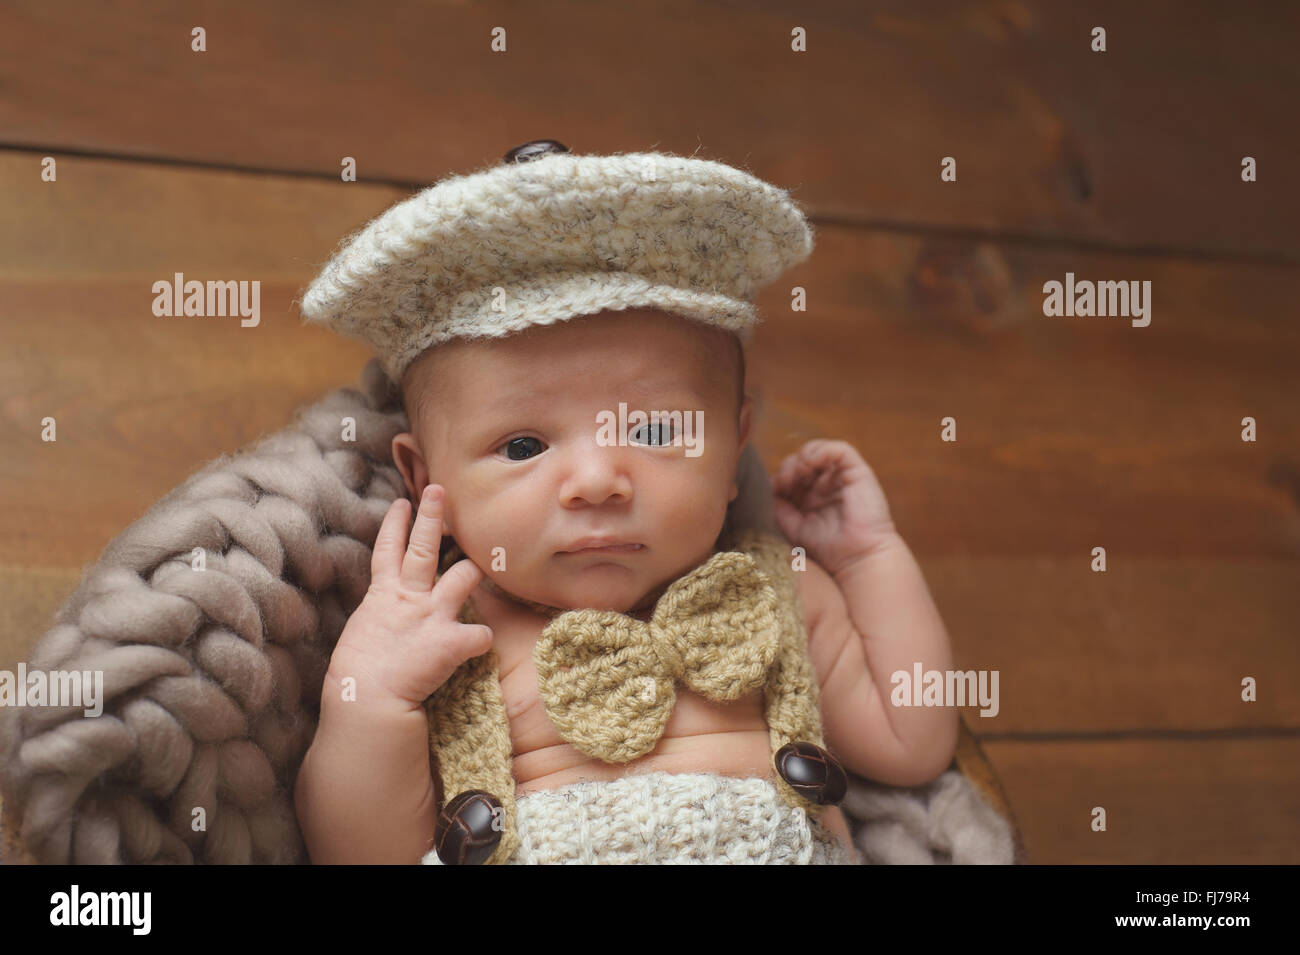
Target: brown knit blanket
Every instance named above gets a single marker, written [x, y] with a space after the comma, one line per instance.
[212, 677]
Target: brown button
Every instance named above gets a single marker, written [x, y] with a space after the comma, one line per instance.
[812, 772]
[535, 150]
[465, 833]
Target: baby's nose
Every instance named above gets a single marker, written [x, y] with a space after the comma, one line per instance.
[597, 475]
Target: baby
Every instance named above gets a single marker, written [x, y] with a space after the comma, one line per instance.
[510, 465]
[595, 663]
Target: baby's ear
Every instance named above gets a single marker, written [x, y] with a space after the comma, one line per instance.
[746, 419]
[752, 509]
[410, 462]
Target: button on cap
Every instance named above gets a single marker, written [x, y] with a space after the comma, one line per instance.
[535, 150]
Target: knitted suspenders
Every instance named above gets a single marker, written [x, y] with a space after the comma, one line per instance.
[469, 734]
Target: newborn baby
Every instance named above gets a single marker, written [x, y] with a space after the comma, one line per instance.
[504, 457]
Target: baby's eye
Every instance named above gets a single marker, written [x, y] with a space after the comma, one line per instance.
[519, 445]
[658, 434]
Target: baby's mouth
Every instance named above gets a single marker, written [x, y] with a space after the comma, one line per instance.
[605, 549]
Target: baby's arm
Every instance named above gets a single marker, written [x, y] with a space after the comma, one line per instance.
[869, 614]
[872, 620]
[365, 792]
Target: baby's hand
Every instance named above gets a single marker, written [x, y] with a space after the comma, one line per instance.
[828, 500]
[404, 640]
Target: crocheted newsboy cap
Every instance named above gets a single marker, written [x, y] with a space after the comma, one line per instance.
[549, 235]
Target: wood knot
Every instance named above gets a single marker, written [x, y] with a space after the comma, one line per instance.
[963, 284]
[1071, 168]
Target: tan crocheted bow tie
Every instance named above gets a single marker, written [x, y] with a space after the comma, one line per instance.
[607, 679]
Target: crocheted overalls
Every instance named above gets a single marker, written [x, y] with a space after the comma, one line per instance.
[648, 817]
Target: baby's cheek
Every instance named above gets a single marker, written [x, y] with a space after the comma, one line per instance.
[692, 521]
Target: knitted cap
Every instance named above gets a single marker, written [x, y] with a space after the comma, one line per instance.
[548, 236]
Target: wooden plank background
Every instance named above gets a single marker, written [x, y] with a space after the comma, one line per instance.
[1119, 689]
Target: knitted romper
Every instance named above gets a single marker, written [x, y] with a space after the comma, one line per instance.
[649, 816]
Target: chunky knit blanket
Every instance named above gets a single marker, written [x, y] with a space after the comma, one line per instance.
[212, 619]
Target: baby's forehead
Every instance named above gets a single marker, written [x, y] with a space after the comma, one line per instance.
[615, 374]
[527, 360]
[644, 358]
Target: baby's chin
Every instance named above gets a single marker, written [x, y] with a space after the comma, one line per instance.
[600, 601]
[618, 599]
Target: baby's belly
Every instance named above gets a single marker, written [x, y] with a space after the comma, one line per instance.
[701, 736]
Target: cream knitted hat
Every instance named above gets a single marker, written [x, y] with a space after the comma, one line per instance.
[547, 236]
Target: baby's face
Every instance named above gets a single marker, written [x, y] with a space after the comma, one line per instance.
[514, 434]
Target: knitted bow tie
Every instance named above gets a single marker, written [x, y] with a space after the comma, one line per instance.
[607, 679]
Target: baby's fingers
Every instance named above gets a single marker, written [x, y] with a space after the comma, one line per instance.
[445, 655]
[827, 453]
[386, 558]
[454, 587]
[420, 566]
[785, 474]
